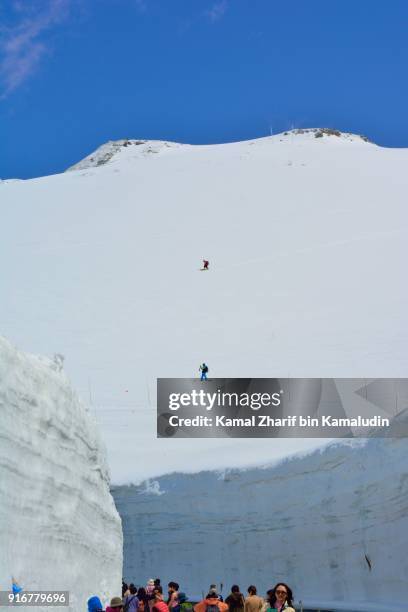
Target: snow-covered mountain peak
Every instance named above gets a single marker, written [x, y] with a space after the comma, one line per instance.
[306, 239]
[324, 134]
[113, 150]
[132, 149]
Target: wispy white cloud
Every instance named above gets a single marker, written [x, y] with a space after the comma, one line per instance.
[22, 46]
[218, 10]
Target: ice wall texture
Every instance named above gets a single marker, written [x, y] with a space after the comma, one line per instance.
[333, 524]
[59, 528]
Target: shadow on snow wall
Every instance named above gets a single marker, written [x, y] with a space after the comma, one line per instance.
[333, 524]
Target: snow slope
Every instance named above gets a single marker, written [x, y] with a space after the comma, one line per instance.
[333, 525]
[59, 528]
[307, 242]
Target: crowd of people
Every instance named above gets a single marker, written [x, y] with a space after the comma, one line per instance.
[152, 599]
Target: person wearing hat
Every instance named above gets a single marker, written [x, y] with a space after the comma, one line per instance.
[95, 604]
[214, 591]
[211, 602]
[185, 605]
[116, 605]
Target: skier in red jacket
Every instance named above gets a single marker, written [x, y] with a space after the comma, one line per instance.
[205, 264]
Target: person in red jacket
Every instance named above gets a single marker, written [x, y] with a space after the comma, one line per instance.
[211, 604]
[206, 263]
[159, 604]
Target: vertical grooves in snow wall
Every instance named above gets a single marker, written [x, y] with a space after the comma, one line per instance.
[59, 528]
[333, 524]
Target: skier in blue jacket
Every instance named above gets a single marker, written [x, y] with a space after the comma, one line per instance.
[204, 370]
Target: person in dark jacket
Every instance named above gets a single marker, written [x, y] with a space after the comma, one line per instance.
[143, 600]
[204, 371]
[173, 602]
[131, 601]
[235, 600]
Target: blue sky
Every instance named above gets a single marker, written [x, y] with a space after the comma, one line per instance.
[76, 73]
